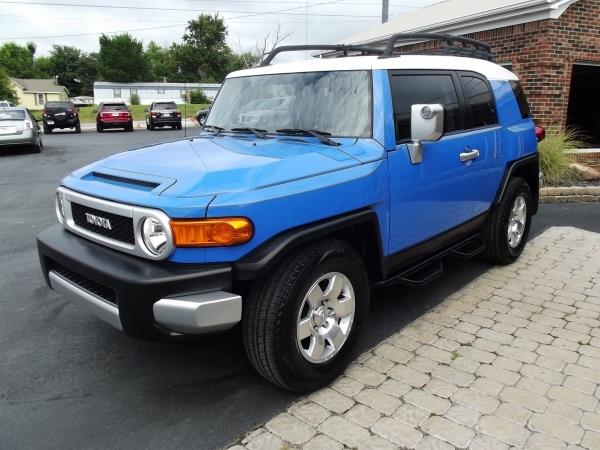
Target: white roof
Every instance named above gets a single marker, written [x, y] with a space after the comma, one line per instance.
[156, 84]
[424, 62]
[463, 17]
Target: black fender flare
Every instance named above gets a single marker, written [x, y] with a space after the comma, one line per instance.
[528, 167]
[261, 260]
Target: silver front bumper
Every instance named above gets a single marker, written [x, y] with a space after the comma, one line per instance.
[94, 304]
[190, 314]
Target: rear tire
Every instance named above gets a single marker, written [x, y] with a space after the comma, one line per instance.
[179, 127]
[78, 128]
[507, 228]
[278, 313]
[99, 128]
[37, 147]
[129, 127]
[47, 130]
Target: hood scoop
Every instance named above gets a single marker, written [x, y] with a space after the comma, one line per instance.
[129, 180]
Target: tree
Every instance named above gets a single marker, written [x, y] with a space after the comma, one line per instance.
[42, 67]
[87, 72]
[270, 41]
[245, 60]
[160, 62]
[204, 54]
[65, 63]
[17, 60]
[121, 58]
[6, 90]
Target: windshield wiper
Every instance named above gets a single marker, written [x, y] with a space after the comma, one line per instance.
[259, 133]
[320, 135]
[216, 130]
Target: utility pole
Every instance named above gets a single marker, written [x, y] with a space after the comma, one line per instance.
[385, 4]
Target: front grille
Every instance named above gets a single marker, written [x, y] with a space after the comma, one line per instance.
[85, 283]
[121, 228]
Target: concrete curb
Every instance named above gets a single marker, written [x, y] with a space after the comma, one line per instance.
[570, 194]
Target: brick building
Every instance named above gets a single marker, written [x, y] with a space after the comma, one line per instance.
[552, 45]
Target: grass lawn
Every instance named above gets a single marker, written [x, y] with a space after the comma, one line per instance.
[87, 114]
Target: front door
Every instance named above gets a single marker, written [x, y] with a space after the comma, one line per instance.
[437, 194]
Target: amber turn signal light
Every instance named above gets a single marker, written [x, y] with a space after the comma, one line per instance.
[212, 232]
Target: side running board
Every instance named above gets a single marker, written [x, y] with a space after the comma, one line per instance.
[431, 268]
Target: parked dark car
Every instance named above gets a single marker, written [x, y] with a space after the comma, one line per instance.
[163, 114]
[60, 115]
[202, 115]
[113, 115]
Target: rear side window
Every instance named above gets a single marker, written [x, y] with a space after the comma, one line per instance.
[408, 90]
[480, 102]
[521, 99]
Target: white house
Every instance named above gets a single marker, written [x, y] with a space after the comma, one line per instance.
[105, 91]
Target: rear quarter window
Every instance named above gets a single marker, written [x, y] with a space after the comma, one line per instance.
[521, 99]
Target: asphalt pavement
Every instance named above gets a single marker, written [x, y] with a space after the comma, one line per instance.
[68, 380]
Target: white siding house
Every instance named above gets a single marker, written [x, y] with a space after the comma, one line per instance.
[105, 91]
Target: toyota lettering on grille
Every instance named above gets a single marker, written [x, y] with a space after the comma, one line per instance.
[98, 221]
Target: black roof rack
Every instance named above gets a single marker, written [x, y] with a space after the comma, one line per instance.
[469, 47]
[337, 48]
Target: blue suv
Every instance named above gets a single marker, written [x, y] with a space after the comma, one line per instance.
[311, 183]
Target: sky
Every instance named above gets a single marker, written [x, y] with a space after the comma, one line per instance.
[80, 22]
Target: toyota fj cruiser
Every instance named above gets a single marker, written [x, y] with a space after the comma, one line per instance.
[364, 171]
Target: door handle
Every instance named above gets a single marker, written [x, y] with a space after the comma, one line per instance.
[468, 156]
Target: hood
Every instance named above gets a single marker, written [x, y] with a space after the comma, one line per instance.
[196, 170]
[207, 166]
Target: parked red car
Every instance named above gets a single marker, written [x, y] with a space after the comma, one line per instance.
[113, 115]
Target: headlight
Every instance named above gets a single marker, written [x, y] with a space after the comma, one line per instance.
[60, 207]
[154, 236]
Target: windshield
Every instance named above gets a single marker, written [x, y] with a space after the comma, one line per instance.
[165, 106]
[114, 107]
[332, 102]
[58, 104]
[16, 114]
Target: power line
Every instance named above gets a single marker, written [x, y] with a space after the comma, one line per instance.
[152, 8]
[172, 21]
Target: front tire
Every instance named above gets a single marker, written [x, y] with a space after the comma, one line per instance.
[507, 228]
[302, 322]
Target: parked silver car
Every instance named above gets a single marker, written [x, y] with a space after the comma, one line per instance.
[19, 127]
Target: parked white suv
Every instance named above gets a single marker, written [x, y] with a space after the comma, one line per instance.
[5, 104]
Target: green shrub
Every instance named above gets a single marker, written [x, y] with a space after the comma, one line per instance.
[197, 97]
[554, 159]
[134, 99]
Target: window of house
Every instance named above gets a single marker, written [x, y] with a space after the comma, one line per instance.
[506, 65]
[133, 91]
[40, 99]
[521, 99]
[480, 101]
[408, 90]
[117, 93]
[160, 91]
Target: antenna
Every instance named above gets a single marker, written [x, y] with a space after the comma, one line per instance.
[185, 95]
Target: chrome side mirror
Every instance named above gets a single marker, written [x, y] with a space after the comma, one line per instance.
[426, 124]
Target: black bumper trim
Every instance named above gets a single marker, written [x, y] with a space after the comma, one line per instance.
[137, 283]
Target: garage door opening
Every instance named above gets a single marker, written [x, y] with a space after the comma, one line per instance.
[584, 99]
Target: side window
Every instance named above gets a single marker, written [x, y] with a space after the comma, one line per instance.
[480, 101]
[408, 90]
[521, 99]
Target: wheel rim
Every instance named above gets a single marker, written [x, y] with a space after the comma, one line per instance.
[325, 318]
[517, 221]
